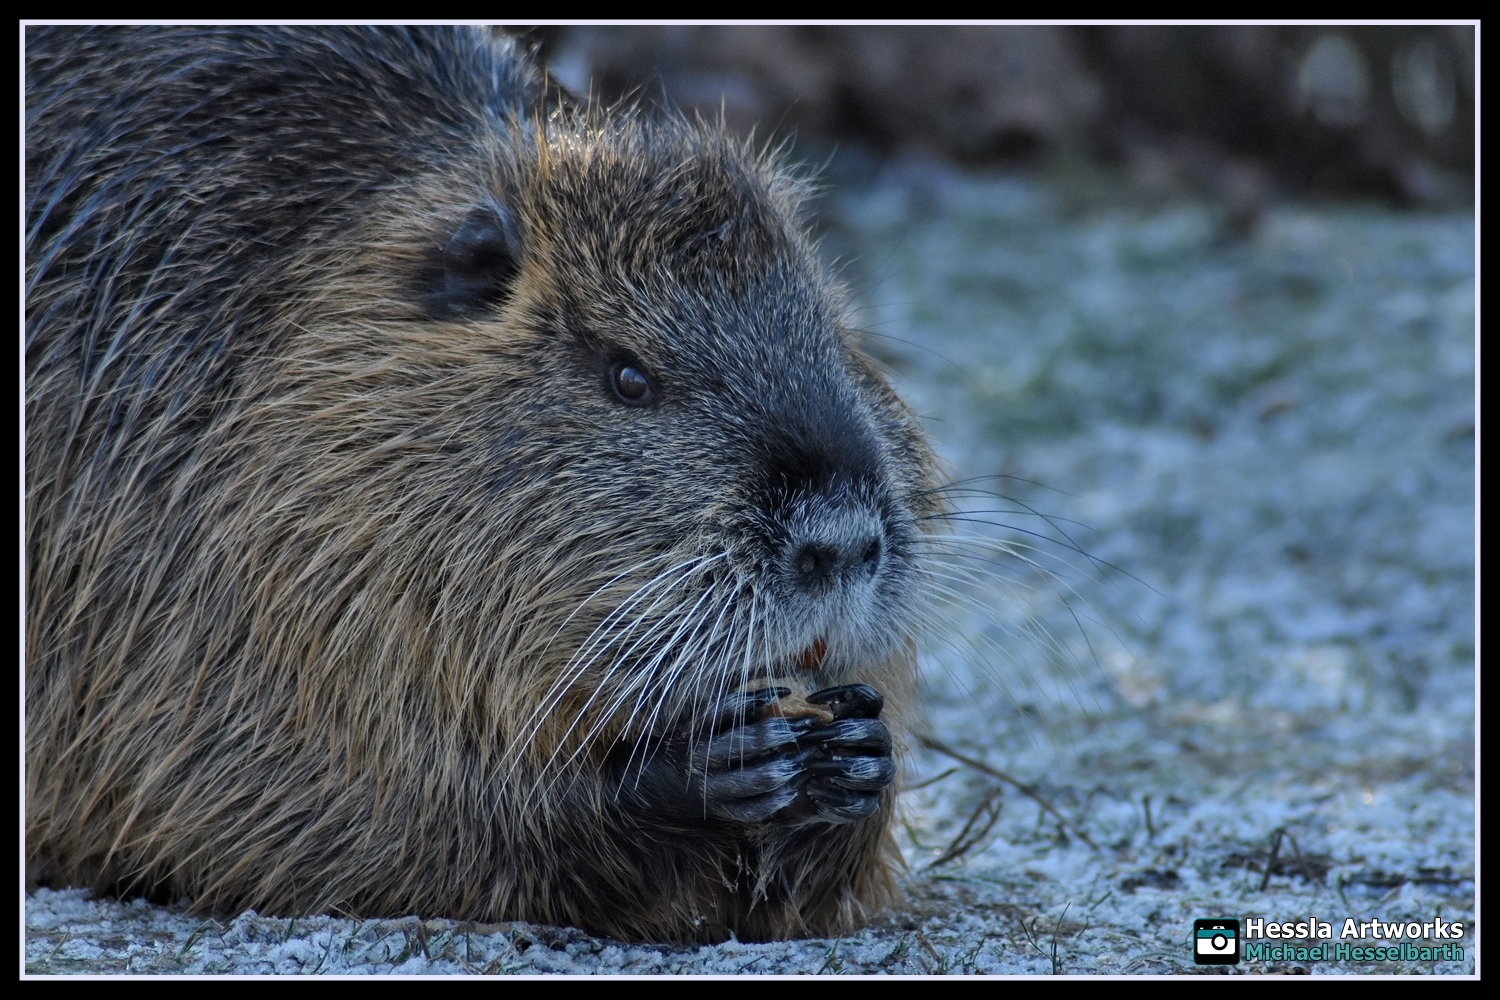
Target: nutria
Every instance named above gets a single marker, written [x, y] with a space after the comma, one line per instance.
[446, 499]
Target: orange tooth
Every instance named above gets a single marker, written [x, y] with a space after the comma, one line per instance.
[812, 656]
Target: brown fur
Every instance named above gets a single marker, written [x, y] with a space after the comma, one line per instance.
[338, 603]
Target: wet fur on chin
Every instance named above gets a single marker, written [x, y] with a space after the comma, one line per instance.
[348, 578]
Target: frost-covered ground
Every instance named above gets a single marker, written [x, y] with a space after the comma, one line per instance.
[1210, 600]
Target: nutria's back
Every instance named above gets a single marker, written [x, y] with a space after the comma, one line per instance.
[440, 500]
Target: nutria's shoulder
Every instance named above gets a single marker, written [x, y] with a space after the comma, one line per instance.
[374, 95]
[445, 501]
[235, 145]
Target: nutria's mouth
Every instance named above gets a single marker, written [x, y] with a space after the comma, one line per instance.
[805, 662]
[812, 657]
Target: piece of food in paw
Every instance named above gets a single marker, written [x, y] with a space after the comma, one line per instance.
[798, 703]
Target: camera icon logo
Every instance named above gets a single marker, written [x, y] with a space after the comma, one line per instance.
[1216, 942]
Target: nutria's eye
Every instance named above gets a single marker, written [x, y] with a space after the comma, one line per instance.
[630, 385]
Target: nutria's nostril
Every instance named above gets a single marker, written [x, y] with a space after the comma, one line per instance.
[814, 561]
[822, 562]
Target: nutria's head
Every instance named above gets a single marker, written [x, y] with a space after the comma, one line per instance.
[645, 460]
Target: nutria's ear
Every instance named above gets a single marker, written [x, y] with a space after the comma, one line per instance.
[480, 262]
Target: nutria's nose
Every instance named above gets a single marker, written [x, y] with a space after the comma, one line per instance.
[836, 550]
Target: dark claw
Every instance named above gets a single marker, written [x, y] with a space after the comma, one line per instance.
[869, 735]
[860, 774]
[753, 810]
[839, 805]
[744, 743]
[742, 706]
[852, 701]
[742, 782]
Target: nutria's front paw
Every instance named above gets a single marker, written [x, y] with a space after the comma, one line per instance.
[771, 758]
[852, 759]
[751, 766]
[821, 758]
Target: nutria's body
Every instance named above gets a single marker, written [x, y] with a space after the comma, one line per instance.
[424, 492]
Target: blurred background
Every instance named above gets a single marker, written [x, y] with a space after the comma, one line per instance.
[1242, 112]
